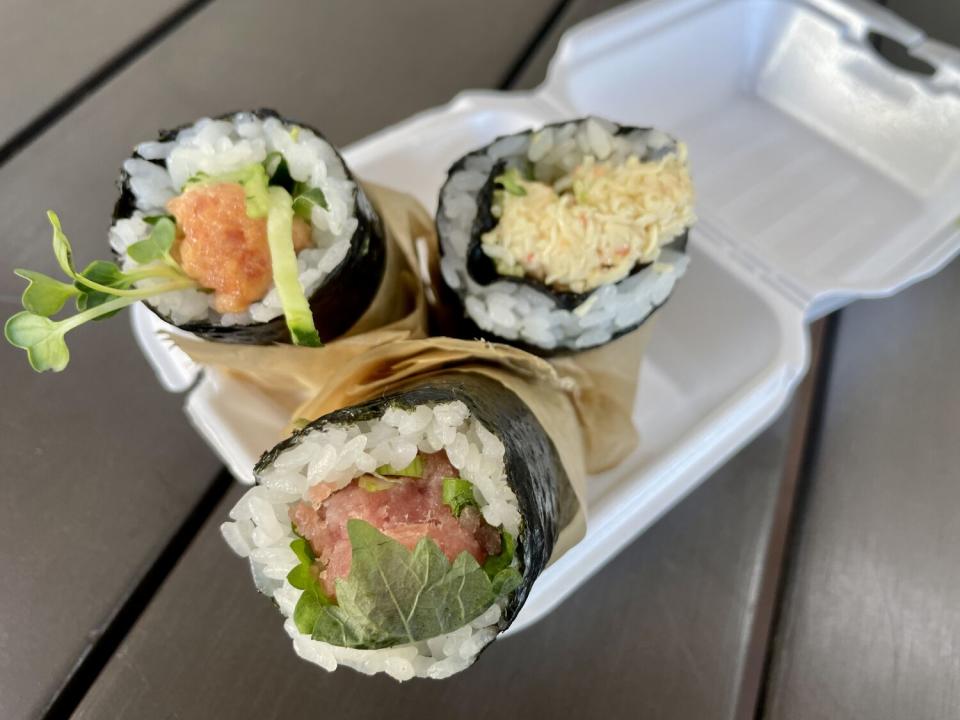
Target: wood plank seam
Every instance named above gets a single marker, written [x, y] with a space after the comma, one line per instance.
[804, 418]
[22, 138]
[98, 653]
[785, 525]
[538, 38]
[102, 647]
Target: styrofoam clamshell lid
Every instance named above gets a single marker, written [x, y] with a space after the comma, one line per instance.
[823, 174]
[828, 169]
[819, 166]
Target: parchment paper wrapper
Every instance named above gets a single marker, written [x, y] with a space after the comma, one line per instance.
[397, 312]
[605, 382]
[601, 383]
[391, 367]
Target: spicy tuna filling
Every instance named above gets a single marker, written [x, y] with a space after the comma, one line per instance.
[404, 508]
[249, 215]
[224, 249]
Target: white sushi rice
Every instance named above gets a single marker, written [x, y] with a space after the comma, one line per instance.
[261, 531]
[516, 311]
[216, 147]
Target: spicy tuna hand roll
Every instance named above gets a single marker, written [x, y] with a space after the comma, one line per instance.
[246, 228]
[402, 535]
[206, 178]
[566, 237]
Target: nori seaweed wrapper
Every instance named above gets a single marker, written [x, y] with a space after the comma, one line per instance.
[345, 293]
[534, 470]
[482, 269]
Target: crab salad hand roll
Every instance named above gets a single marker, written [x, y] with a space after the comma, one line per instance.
[403, 535]
[564, 238]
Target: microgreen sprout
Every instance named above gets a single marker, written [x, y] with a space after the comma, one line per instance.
[104, 288]
[100, 291]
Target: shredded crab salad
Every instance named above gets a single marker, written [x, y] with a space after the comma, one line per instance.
[593, 225]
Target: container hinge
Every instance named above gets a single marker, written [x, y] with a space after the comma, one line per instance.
[861, 17]
[745, 259]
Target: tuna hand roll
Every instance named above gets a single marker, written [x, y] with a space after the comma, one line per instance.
[403, 535]
[246, 228]
[564, 238]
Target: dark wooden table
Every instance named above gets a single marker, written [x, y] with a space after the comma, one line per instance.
[814, 576]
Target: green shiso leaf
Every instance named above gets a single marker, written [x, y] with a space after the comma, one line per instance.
[44, 295]
[498, 563]
[286, 276]
[156, 245]
[457, 494]
[304, 202]
[414, 469]
[506, 581]
[511, 182]
[394, 596]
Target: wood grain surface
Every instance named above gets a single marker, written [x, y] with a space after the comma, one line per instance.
[661, 632]
[667, 630]
[119, 588]
[50, 49]
[871, 624]
[102, 466]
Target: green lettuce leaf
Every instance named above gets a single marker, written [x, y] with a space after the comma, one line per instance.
[395, 596]
[457, 494]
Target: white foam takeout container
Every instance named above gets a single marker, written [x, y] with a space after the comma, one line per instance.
[824, 174]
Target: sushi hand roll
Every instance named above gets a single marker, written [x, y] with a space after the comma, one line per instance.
[564, 238]
[403, 534]
[399, 312]
[246, 228]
